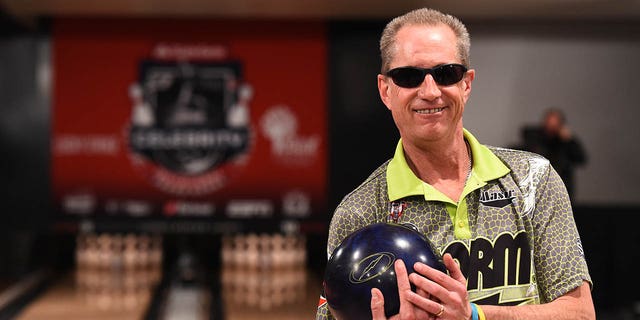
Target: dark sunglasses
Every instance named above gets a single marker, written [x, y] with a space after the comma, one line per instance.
[412, 77]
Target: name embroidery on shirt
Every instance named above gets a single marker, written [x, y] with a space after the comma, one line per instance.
[497, 199]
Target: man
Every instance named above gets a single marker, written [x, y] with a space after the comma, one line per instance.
[501, 217]
[555, 141]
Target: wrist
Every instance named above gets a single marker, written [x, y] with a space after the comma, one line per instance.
[481, 315]
[474, 312]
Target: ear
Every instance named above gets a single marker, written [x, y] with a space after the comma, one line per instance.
[466, 83]
[384, 90]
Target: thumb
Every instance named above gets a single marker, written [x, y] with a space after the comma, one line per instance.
[377, 305]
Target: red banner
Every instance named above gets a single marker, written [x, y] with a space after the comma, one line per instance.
[189, 118]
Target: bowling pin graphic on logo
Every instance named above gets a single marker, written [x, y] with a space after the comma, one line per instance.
[188, 119]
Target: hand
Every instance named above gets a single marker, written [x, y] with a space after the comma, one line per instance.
[447, 291]
[565, 133]
[407, 310]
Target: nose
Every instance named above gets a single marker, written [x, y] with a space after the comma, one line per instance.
[429, 89]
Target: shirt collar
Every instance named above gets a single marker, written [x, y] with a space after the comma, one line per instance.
[402, 182]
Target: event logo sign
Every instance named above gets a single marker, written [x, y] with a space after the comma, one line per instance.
[189, 118]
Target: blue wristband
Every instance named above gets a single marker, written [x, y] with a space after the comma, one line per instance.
[474, 312]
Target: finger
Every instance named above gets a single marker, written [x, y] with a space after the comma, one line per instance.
[454, 269]
[420, 313]
[450, 291]
[447, 282]
[377, 305]
[424, 307]
[404, 288]
[402, 277]
[444, 290]
[422, 292]
[428, 308]
[408, 309]
[427, 278]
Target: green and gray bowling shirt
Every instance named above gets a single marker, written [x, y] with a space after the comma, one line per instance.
[512, 232]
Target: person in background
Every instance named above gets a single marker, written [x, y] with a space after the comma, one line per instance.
[554, 140]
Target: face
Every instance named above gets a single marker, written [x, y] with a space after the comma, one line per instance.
[552, 123]
[430, 112]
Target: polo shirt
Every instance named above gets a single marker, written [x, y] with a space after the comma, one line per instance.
[512, 232]
[402, 182]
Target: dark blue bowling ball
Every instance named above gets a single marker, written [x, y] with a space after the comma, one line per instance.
[365, 259]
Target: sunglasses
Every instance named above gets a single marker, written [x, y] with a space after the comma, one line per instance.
[412, 77]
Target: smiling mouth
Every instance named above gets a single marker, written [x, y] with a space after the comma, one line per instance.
[429, 111]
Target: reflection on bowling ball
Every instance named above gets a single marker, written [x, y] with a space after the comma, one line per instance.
[365, 259]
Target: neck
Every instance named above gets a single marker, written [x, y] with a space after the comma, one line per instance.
[446, 161]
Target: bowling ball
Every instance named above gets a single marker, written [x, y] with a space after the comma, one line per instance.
[365, 260]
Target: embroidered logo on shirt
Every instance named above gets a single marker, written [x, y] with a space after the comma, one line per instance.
[322, 301]
[497, 199]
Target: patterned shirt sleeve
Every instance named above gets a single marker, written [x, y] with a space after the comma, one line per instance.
[343, 223]
[323, 311]
[559, 258]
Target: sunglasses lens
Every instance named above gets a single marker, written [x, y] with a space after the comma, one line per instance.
[448, 74]
[407, 77]
[411, 77]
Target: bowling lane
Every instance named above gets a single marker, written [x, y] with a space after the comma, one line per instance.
[113, 278]
[275, 300]
[266, 277]
[120, 277]
[283, 295]
[64, 300]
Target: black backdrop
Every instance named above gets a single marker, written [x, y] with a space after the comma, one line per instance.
[362, 132]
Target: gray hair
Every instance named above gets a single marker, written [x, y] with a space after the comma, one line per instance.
[428, 17]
